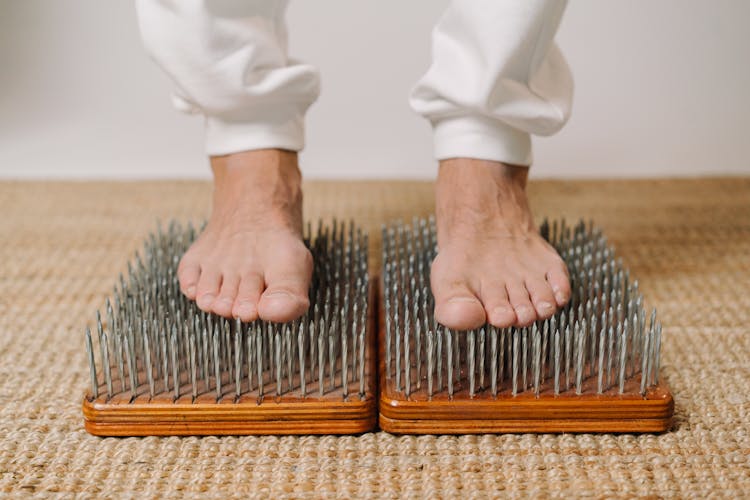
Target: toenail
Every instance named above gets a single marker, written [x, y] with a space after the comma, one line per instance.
[523, 311]
[560, 297]
[545, 306]
[190, 290]
[206, 299]
[225, 302]
[462, 299]
[501, 311]
[279, 293]
[245, 308]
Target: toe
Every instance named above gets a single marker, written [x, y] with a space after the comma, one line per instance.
[460, 311]
[287, 278]
[188, 273]
[541, 296]
[224, 302]
[499, 311]
[248, 295]
[456, 305]
[207, 288]
[557, 277]
[284, 302]
[519, 299]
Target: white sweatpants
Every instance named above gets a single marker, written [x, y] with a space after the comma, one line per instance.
[496, 74]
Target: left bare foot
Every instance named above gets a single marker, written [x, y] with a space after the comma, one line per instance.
[492, 264]
[250, 261]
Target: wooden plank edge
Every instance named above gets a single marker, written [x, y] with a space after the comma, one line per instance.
[231, 428]
[523, 426]
[240, 412]
[659, 406]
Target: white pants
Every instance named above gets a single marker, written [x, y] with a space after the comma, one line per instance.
[496, 74]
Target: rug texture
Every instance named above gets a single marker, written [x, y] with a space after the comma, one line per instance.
[62, 246]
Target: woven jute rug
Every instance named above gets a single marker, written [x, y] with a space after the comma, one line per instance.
[62, 246]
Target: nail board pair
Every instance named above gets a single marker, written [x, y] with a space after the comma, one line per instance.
[160, 366]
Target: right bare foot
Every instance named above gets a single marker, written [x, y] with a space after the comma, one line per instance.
[492, 264]
[250, 261]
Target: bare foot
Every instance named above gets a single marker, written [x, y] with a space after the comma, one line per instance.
[492, 264]
[250, 260]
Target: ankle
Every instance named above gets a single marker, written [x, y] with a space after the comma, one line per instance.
[266, 183]
[473, 196]
[255, 166]
[480, 170]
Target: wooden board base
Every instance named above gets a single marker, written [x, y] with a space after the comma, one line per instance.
[246, 418]
[524, 413]
[522, 426]
[290, 413]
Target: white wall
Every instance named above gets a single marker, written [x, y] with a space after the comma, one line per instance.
[663, 89]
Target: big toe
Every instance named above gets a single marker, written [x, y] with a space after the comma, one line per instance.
[456, 306]
[287, 284]
[279, 304]
[460, 312]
